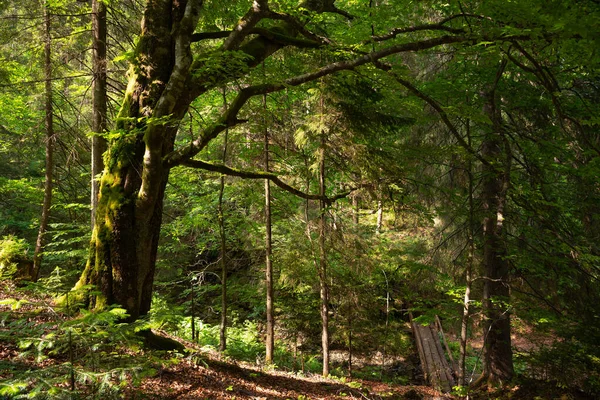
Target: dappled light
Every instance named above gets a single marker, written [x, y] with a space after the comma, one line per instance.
[299, 199]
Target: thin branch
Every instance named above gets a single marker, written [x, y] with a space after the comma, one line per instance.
[438, 108]
[43, 80]
[225, 170]
[427, 27]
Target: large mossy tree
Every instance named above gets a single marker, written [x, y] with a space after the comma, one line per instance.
[168, 72]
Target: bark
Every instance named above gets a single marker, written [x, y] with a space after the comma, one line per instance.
[270, 339]
[223, 327]
[324, 288]
[379, 215]
[99, 125]
[49, 127]
[223, 238]
[129, 212]
[355, 209]
[498, 363]
[462, 373]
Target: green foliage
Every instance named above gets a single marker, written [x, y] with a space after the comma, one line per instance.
[568, 364]
[106, 354]
[14, 257]
[378, 137]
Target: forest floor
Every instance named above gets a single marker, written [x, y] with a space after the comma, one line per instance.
[206, 375]
[226, 380]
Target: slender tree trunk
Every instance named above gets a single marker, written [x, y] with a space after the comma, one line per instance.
[379, 215]
[324, 289]
[223, 327]
[387, 322]
[50, 138]
[99, 123]
[468, 275]
[350, 348]
[498, 363]
[355, 209]
[270, 339]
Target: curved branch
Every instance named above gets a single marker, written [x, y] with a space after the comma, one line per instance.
[225, 170]
[427, 27]
[229, 118]
[436, 106]
[257, 11]
[296, 25]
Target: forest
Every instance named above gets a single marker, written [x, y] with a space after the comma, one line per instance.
[299, 199]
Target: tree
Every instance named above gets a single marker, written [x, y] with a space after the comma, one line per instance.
[100, 101]
[498, 363]
[270, 337]
[50, 139]
[165, 77]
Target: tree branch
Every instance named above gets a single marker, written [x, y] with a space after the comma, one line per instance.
[270, 34]
[427, 27]
[436, 106]
[229, 118]
[296, 25]
[225, 170]
[257, 11]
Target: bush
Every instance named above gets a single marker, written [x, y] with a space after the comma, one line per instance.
[569, 364]
[14, 258]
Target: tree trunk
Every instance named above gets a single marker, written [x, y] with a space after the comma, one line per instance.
[49, 127]
[379, 214]
[270, 339]
[324, 289]
[129, 212]
[498, 364]
[223, 238]
[223, 327]
[462, 373]
[99, 124]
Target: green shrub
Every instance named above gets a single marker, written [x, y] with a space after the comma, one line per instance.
[568, 363]
[14, 257]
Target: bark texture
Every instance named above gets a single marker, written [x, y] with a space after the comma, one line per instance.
[99, 125]
[498, 363]
[49, 127]
[128, 217]
[270, 334]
